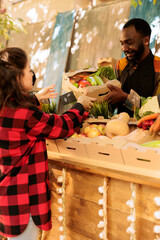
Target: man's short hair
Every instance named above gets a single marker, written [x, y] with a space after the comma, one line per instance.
[140, 25]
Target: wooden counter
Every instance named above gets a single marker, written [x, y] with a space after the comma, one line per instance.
[82, 183]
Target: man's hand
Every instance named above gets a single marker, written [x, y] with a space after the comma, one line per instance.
[116, 95]
[46, 93]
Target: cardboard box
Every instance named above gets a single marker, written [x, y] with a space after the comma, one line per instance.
[72, 147]
[68, 86]
[141, 157]
[51, 145]
[108, 61]
[105, 149]
[98, 92]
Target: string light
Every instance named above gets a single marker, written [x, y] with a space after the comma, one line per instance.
[103, 212]
[131, 203]
[61, 201]
[156, 228]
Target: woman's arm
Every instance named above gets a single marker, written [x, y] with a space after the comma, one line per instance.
[46, 93]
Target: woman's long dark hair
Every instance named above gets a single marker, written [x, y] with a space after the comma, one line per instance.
[12, 64]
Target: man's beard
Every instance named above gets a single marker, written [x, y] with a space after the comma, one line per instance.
[137, 54]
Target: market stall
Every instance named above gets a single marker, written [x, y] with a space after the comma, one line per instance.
[103, 198]
[105, 179]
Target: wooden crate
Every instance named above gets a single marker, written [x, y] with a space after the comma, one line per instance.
[81, 205]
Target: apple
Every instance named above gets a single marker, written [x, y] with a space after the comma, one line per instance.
[81, 135]
[74, 135]
[89, 127]
[93, 132]
[101, 128]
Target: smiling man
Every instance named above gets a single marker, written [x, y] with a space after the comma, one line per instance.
[139, 70]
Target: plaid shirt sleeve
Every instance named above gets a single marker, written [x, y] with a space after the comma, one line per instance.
[42, 125]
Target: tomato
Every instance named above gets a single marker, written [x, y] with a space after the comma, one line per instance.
[83, 83]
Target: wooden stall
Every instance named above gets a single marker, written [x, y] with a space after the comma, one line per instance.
[102, 198]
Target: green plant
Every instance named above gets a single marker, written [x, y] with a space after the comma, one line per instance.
[8, 24]
[101, 109]
[49, 107]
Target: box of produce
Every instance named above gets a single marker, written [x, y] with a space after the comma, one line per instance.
[101, 148]
[95, 80]
[99, 145]
[143, 148]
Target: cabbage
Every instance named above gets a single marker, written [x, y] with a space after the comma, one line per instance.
[150, 105]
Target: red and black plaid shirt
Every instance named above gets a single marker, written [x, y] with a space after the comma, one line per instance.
[24, 182]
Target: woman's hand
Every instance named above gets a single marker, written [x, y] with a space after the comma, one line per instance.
[46, 93]
[86, 101]
[155, 126]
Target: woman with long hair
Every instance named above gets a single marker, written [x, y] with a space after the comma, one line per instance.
[24, 181]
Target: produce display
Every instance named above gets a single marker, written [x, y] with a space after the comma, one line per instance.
[96, 81]
[119, 125]
[148, 112]
[101, 76]
[147, 121]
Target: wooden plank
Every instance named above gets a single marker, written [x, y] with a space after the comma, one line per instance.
[128, 173]
[78, 183]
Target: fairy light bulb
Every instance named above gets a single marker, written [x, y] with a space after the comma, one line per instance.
[131, 218]
[60, 209]
[60, 179]
[60, 201]
[130, 230]
[101, 189]
[134, 194]
[60, 218]
[130, 203]
[61, 237]
[157, 201]
[59, 190]
[61, 229]
[156, 229]
[100, 212]
[100, 202]
[101, 235]
[157, 214]
[100, 224]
